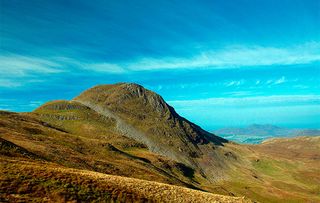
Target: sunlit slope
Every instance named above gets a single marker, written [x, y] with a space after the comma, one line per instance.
[25, 180]
[279, 170]
[106, 152]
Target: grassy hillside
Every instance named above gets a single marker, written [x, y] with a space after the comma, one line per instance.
[88, 145]
[128, 131]
[24, 180]
[279, 170]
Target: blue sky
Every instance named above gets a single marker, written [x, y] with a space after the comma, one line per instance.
[219, 63]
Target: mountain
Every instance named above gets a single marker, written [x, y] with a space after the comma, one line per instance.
[144, 116]
[123, 143]
[257, 133]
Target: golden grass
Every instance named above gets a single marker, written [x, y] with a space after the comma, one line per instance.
[81, 146]
[25, 180]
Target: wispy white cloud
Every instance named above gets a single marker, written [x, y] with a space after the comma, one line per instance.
[229, 57]
[17, 65]
[234, 83]
[14, 66]
[104, 67]
[101, 66]
[35, 103]
[19, 105]
[276, 81]
[248, 101]
[5, 104]
[301, 86]
[269, 82]
[182, 85]
[280, 80]
[9, 83]
[239, 93]
[12, 82]
[234, 57]
[17, 70]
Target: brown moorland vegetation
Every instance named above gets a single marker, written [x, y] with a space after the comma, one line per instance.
[128, 131]
[25, 180]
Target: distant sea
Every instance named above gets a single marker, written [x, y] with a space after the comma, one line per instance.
[247, 139]
[252, 139]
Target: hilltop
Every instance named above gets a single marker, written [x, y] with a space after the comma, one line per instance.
[124, 131]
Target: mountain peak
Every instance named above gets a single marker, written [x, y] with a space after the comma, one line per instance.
[134, 88]
[126, 94]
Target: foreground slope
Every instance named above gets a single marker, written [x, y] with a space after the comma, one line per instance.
[25, 180]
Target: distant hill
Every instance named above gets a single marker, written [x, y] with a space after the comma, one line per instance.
[257, 133]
